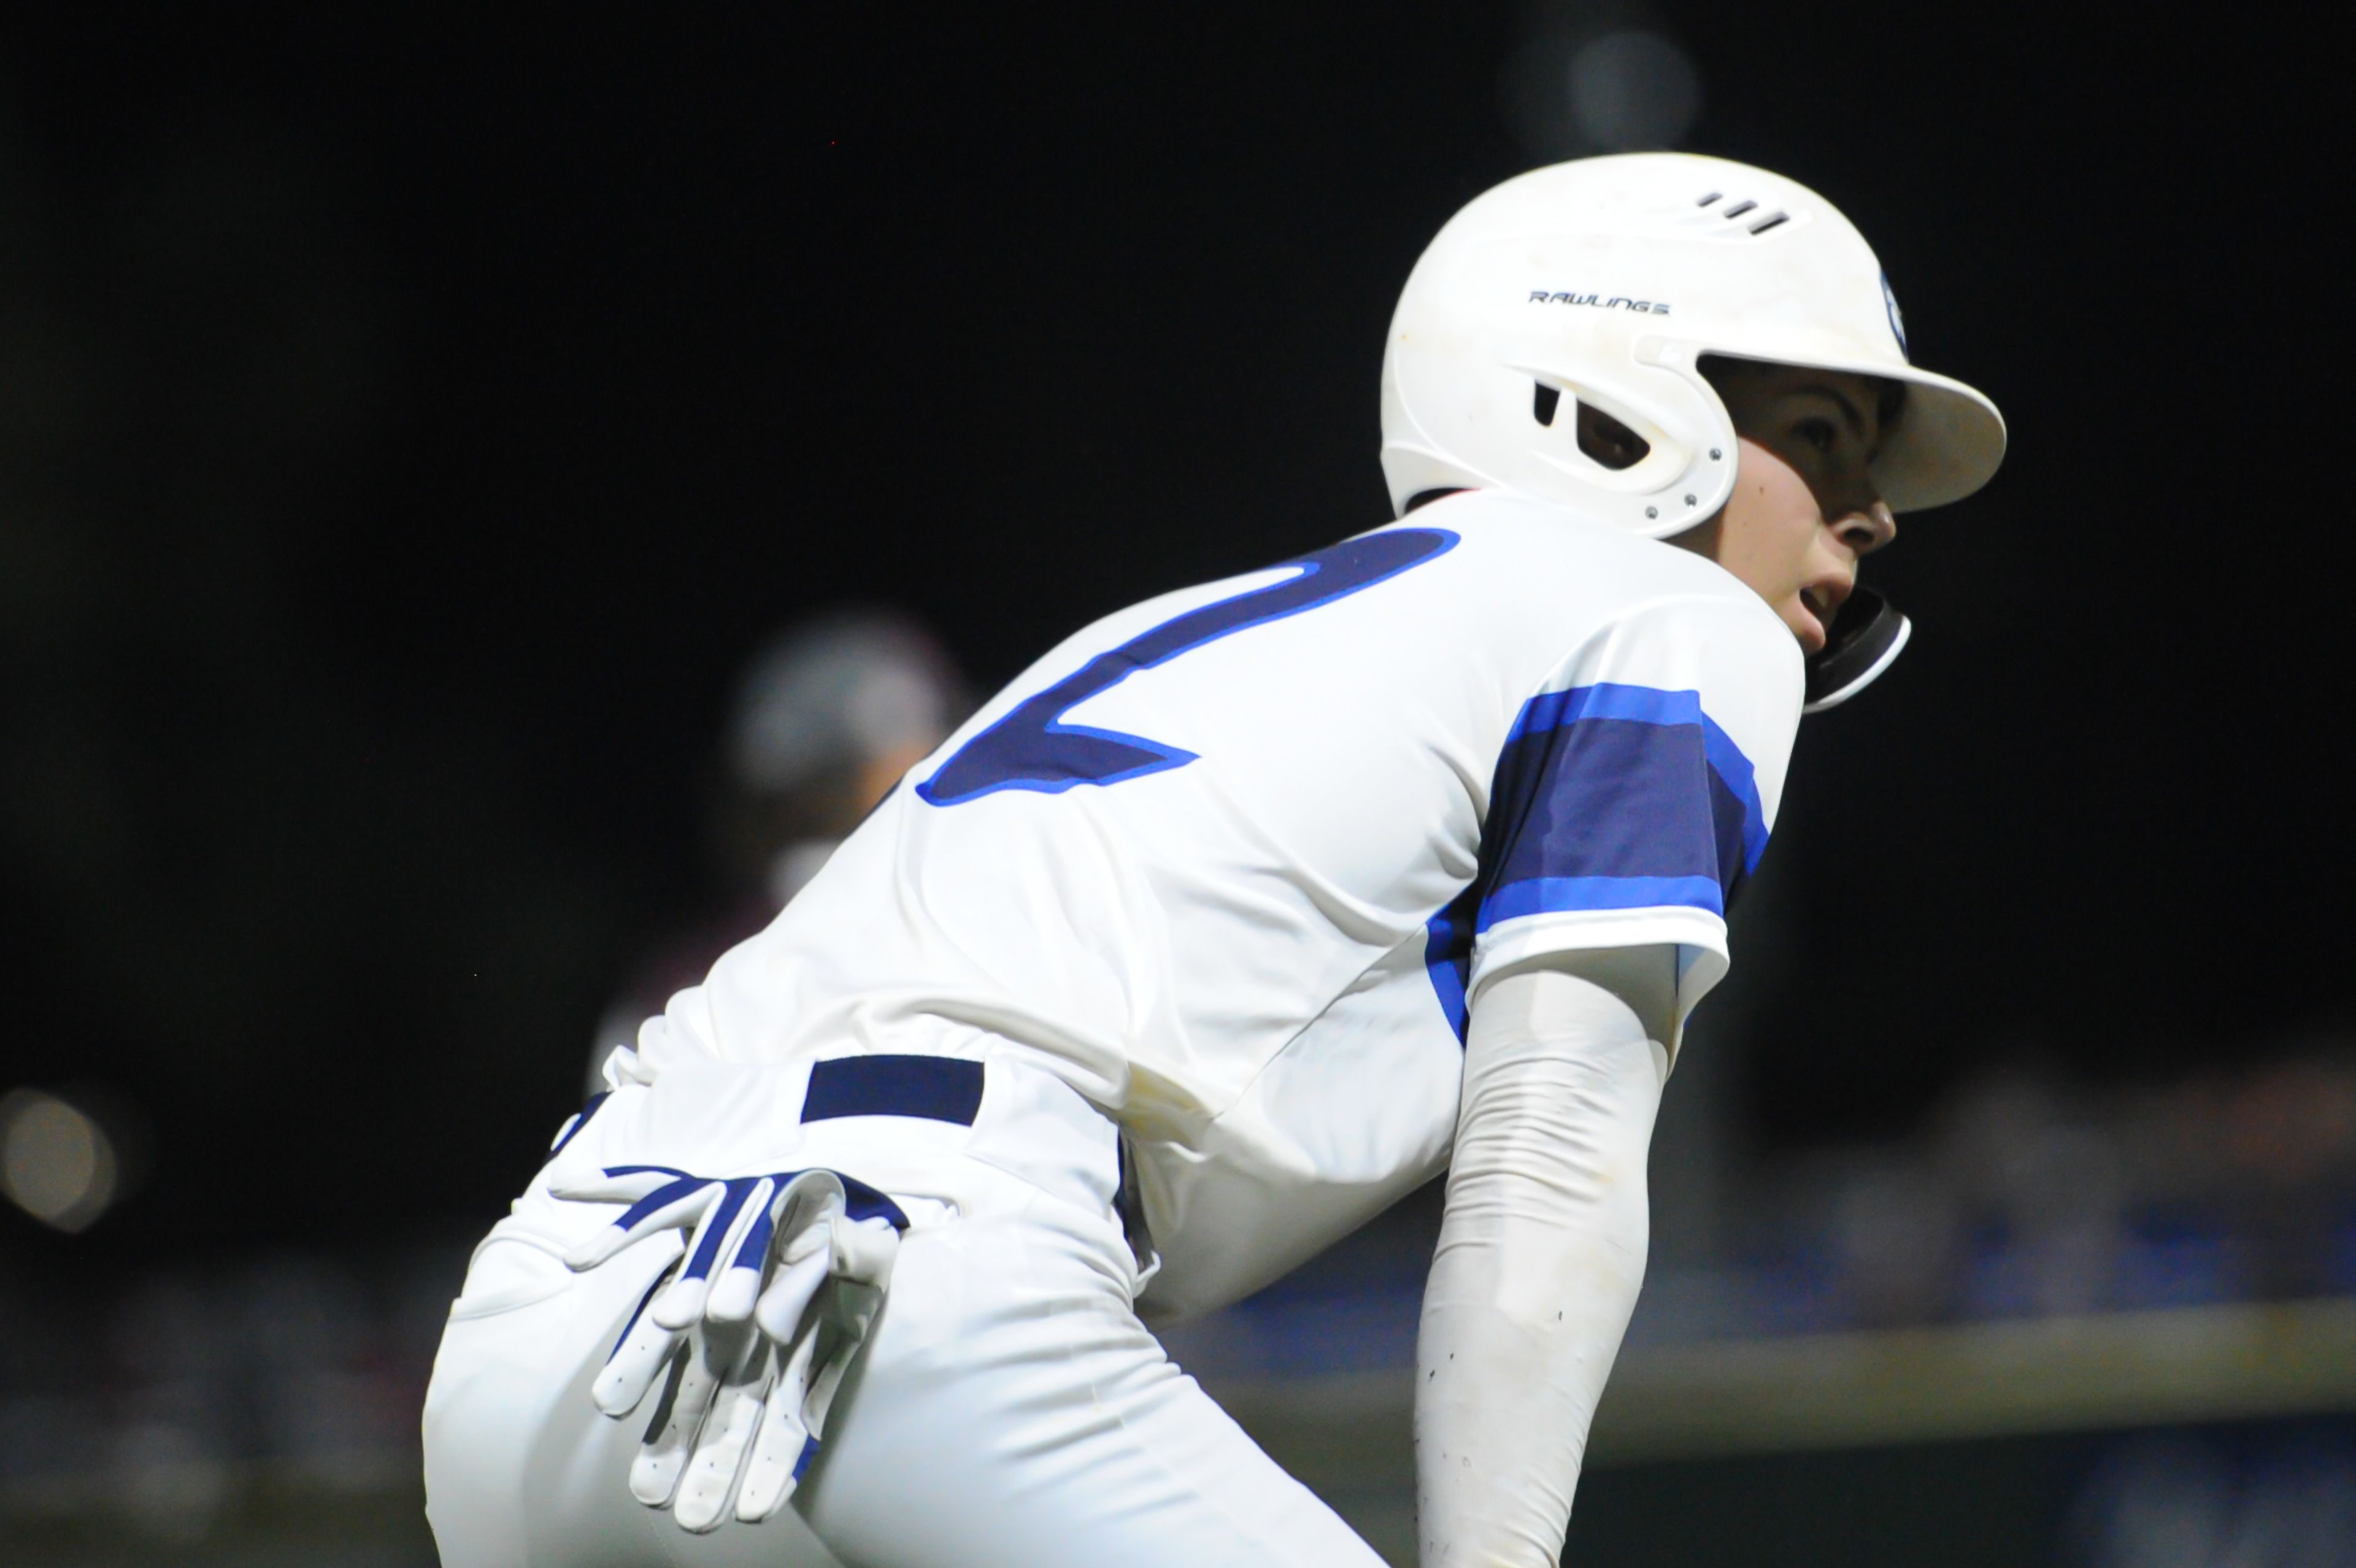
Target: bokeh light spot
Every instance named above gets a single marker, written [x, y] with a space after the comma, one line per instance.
[56, 1163]
[1634, 90]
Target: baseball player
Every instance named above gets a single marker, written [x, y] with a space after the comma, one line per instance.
[1237, 916]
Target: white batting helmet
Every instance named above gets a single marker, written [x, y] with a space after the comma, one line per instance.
[1602, 282]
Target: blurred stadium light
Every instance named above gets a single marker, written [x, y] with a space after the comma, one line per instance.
[57, 1163]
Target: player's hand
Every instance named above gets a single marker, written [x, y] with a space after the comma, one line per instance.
[755, 1322]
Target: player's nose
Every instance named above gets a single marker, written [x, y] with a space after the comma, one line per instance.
[1868, 528]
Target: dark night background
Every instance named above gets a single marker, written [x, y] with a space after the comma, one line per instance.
[407, 425]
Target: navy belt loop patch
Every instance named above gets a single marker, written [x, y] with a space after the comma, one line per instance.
[938, 1088]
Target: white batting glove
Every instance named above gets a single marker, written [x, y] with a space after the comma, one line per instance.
[756, 1322]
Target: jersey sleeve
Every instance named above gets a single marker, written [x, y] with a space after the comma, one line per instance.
[1635, 791]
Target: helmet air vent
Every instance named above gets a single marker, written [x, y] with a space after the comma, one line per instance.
[1740, 208]
[1544, 403]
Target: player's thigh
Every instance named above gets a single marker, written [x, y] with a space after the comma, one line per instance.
[1011, 1412]
[521, 1468]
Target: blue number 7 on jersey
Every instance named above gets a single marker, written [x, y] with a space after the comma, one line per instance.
[1031, 748]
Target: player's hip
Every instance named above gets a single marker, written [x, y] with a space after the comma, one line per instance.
[1006, 1180]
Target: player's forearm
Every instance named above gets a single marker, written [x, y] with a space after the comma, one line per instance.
[1540, 1257]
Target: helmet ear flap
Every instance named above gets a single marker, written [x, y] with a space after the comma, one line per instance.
[1597, 438]
[1615, 420]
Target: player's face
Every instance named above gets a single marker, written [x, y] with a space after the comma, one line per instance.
[1804, 511]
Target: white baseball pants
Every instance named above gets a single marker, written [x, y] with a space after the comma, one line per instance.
[1008, 1410]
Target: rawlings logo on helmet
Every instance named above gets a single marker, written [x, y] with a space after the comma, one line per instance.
[1614, 302]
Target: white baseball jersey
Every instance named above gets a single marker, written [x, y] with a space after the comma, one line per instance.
[1232, 862]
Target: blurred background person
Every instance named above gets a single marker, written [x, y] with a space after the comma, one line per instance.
[828, 714]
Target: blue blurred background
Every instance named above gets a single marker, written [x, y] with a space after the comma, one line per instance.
[487, 498]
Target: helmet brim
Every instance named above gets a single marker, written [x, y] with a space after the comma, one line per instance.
[1948, 442]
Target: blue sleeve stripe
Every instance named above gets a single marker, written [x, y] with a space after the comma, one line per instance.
[1550, 895]
[1605, 797]
[1606, 700]
[1726, 759]
[1447, 959]
[1651, 704]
